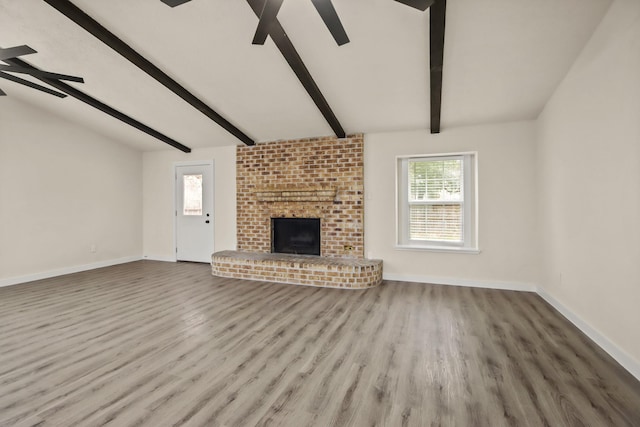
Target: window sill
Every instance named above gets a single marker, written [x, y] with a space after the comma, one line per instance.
[454, 249]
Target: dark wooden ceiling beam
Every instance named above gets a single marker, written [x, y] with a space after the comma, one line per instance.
[87, 99]
[290, 54]
[437, 15]
[78, 16]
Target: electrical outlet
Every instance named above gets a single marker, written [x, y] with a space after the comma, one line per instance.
[93, 249]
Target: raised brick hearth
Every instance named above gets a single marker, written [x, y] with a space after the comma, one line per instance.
[307, 270]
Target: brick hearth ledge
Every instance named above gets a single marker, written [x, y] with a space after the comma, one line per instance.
[306, 270]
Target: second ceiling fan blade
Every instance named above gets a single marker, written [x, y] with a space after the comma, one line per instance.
[39, 73]
[24, 82]
[269, 13]
[417, 4]
[174, 3]
[331, 20]
[13, 52]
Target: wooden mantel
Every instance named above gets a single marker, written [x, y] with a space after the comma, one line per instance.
[308, 194]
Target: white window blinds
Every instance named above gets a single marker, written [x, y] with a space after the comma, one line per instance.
[436, 198]
[436, 201]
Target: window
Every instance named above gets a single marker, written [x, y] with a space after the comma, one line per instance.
[437, 202]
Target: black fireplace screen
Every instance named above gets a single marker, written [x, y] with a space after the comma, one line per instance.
[295, 236]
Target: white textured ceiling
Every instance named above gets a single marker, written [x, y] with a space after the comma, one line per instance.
[503, 60]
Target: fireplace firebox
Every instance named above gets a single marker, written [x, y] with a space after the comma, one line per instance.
[295, 236]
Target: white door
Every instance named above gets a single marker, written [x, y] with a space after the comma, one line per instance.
[194, 212]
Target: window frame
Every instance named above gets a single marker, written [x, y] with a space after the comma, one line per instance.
[469, 204]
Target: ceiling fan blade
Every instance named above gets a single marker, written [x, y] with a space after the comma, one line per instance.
[269, 13]
[24, 82]
[40, 73]
[418, 4]
[331, 20]
[174, 3]
[13, 52]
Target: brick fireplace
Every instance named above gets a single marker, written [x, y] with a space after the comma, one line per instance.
[315, 179]
[303, 178]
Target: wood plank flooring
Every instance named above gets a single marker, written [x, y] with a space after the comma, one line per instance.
[164, 344]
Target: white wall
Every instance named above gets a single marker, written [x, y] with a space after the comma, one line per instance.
[507, 224]
[63, 188]
[158, 210]
[589, 186]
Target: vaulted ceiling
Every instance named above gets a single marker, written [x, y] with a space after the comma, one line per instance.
[502, 61]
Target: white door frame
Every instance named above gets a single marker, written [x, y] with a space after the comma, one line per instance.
[174, 174]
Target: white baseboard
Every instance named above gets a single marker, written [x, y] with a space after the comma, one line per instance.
[508, 286]
[67, 270]
[159, 258]
[627, 362]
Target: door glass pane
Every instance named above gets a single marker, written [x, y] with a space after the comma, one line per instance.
[192, 203]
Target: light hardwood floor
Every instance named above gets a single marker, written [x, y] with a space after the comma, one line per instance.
[156, 344]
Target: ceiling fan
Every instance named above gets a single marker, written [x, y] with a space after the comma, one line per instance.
[325, 9]
[7, 54]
